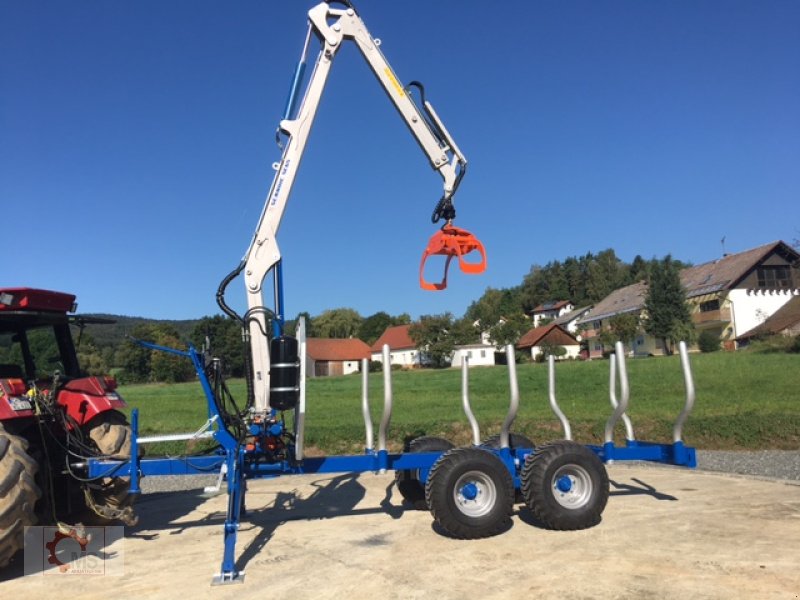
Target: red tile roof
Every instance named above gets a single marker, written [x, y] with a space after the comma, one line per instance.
[336, 349]
[551, 333]
[397, 337]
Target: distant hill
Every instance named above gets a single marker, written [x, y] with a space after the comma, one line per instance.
[113, 335]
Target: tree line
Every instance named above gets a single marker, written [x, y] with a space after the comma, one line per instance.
[500, 313]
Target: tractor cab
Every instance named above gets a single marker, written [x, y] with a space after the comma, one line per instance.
[35, 337]
[37, 355]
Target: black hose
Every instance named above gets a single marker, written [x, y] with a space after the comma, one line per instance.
[444, 210]
[221, 293]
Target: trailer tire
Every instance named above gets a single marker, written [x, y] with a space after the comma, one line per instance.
[565, 485]
[408, 484]
[470, 493]
[18, 493]
[515, 440]
[109, 499]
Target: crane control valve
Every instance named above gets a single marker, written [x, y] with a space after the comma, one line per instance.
[452, 241]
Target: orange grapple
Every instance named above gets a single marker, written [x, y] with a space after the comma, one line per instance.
[452, 241]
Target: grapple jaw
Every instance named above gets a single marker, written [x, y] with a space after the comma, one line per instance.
[452, 241]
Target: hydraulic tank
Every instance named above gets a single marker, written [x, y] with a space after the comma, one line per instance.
[284, 376]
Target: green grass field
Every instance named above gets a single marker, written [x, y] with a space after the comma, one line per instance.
[744, 401]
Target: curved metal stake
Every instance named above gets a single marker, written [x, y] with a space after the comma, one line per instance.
[612, 396]
[473, 422]
[365, 402]
[551, 380]
[514, 404]
[620, 409]
[677, 431]
[387, 402]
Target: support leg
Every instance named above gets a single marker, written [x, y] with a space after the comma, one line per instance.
[236, 489]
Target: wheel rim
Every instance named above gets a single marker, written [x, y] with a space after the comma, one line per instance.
[475, 494]
[572, 486]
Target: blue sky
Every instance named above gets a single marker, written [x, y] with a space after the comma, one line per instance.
[136, 141]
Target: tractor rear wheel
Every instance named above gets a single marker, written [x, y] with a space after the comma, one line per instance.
[408, 484]
[109, 497]
[18, 493]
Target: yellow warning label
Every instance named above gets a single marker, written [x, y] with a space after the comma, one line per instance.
[395, 83]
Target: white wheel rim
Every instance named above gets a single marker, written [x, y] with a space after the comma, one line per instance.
[572, 486]
[475, 494]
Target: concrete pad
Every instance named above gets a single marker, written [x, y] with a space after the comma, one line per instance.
[666, 533]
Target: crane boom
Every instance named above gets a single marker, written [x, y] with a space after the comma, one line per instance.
[331, 27]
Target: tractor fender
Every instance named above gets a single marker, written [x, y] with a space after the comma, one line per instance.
[85, 398]
[13, 401]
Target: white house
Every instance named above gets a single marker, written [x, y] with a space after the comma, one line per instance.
[551, 310]
[402, 349]
[569, 321]
[478, 355]
[728, 296]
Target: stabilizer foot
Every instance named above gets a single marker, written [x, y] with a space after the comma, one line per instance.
[228, 578]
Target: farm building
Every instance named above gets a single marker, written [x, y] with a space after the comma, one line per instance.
[552, 335]
[334, 356]
[785, 321]
[728, 296]
[402, 349]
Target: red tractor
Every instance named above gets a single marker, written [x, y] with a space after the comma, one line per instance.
[53, 417]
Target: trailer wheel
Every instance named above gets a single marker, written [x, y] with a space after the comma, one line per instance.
[408, 484]
[470, 493]
[565, 485]
[515, 440]
[109, 498]
[18, 493]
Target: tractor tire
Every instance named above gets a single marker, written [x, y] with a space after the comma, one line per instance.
[18, 493]
[471, 493]
[109, 499]
[111, 433]
[565, 485]
[408, 484]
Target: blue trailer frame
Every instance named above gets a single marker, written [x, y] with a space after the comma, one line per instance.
[241, 463]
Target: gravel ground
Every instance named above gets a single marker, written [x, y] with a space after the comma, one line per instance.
[771, 464]
[778, 464]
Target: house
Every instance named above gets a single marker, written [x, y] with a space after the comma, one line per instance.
[326, 357]
[569, 321]
[728, 296]
[479, 354]
[551, 334]
[551, 310]
[785, 321]
[402, 349]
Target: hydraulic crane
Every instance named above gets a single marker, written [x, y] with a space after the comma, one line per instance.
[332, 28]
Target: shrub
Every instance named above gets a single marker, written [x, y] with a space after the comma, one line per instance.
[774, 344]
[707, 341]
